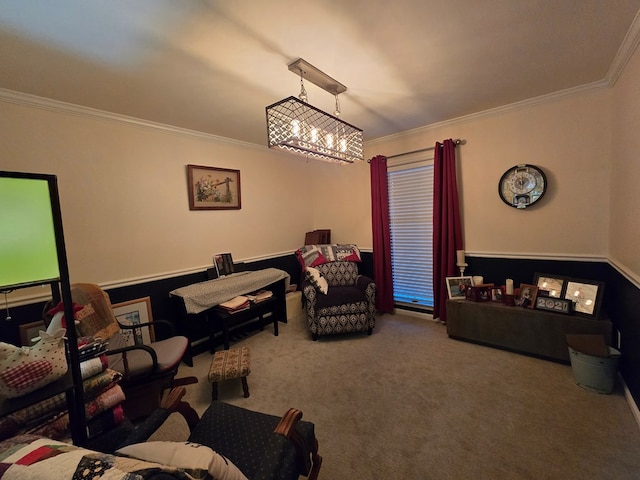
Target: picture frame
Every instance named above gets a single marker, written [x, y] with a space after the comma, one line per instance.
[554, 284]
[555, 305]
[496, 294]
[29, 331]
[586, 294]
[457, 286]
[527, 296]
[213, 188]
[223, 263]
[135, 312]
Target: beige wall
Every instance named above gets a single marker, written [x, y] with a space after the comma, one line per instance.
[625, 171]
[568, 138]
[124, 200]
[126, 216]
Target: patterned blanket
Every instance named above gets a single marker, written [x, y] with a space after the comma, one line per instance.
[204, 295]
[27, 457]
[312, 255]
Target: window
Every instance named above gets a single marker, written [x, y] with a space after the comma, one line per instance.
[411, 228]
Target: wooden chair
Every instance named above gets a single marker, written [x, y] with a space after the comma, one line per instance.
[147, 369]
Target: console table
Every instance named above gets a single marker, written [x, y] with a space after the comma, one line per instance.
[524, 330]
[197, 303]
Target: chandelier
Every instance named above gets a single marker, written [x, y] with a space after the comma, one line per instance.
[296, 126]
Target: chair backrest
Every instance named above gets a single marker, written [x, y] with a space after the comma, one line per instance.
[97, 318]
[339, 274]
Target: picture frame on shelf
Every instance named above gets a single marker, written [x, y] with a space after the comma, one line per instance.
[554, 284]
[555, 305]
[496, 294]
[527, 296]
[213, 188]
[28, 331]
[457, 286]
[135, 312]
[586, 296]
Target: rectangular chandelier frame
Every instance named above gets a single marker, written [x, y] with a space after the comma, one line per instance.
[301, 128]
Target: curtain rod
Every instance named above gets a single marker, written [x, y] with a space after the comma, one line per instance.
[457, 142]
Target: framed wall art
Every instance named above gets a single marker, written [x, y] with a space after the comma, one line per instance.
[135, 312]
[586, 294]
[457, 286]
[28, 331]
[212, 188]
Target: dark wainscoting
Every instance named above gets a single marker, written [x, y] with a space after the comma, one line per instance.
[163, 306]
[621, 302]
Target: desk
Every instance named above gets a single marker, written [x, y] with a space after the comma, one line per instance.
[197, 303]
[524, 330]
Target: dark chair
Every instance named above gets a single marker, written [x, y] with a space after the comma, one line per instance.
[349, 304]
[262, 446]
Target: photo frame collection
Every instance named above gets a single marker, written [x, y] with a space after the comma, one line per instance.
[135, 312]
[585, 295]
[551, 292]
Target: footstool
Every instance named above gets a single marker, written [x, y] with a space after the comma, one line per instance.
[227, 364]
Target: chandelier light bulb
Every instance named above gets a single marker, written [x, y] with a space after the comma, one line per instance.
[330, 140]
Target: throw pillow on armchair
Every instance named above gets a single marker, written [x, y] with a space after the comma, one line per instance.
[25, 369]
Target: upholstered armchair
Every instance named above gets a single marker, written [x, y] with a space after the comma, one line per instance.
[338, 299]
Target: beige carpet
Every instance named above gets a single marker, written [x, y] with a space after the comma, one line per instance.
[408, 402]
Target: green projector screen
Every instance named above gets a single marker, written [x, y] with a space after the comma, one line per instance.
[28, 253]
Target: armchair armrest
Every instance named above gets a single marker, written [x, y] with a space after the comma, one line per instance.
[123, 350]
[362, 282]
[309, 461]
[168, 327]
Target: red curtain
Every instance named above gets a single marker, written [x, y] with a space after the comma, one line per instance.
[447, 228]
[381, 235]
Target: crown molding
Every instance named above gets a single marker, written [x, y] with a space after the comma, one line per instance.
[19, 98]
[625, 52]
[540, 100]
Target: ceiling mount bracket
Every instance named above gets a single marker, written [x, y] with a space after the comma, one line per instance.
[316, 76]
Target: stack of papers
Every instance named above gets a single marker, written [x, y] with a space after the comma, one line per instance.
[259, 296]
[236, 304]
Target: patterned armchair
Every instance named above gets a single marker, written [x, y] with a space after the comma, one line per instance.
[348, 305]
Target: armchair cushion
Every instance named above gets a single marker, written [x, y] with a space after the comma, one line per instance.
[339, 296]
[194, 458]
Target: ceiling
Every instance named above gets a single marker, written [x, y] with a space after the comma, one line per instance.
[213, 66]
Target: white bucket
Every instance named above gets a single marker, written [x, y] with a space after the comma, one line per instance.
[597, 374]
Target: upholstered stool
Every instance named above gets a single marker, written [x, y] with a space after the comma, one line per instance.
[227, 364]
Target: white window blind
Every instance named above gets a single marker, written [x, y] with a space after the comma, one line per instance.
[411, 227]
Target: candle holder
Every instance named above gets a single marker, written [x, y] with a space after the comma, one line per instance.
[462, 266]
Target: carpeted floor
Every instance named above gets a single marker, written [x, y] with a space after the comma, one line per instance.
[408, 402]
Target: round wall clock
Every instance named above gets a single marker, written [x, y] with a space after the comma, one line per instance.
[522, 185]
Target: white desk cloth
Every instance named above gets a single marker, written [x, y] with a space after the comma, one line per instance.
[204, 295]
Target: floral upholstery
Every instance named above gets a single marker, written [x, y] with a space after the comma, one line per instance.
[348, 306]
